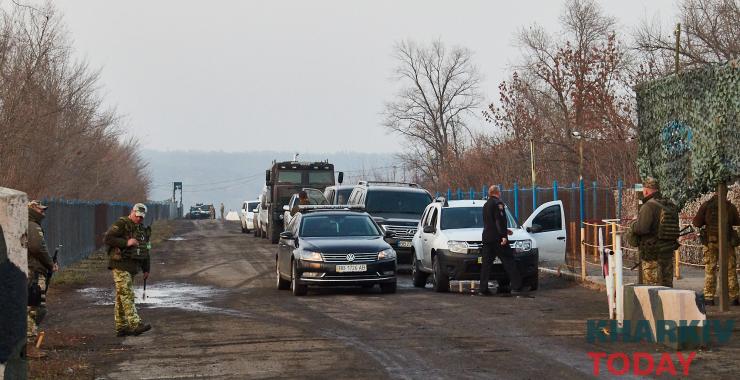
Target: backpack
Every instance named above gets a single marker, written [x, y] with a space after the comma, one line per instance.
[668, 223]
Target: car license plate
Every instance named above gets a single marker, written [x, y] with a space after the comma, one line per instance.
[495, 261]
[352, 268]
[404, 244]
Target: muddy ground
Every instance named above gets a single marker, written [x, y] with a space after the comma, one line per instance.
[216, 313]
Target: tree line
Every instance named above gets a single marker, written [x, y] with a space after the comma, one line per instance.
[57, 138]
[568, 101]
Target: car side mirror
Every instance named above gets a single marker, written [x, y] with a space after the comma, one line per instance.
[388, 234]
[286, 208]
[256, 210]
[286, 235]
[267, 177]
[429, 229]
[535, 228]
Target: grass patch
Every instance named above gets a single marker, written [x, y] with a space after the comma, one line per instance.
[162, 230]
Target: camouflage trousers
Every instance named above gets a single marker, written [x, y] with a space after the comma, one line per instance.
[657, 270]
[125, 309]
[35, 314]
[711, 269]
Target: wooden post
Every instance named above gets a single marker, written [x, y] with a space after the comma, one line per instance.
[724, 299]
[595, 245]
[677, 267]
[583, 253]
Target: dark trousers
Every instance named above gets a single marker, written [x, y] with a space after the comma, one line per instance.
[490, 252]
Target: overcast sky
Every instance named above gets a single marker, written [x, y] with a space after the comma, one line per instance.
[307, 76]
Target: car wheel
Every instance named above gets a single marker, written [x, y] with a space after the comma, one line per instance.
[295, 287]
[388, 287]
[441, 281]
[280, 283]
[418, 277]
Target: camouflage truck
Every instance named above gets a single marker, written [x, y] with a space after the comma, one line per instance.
[285, 179]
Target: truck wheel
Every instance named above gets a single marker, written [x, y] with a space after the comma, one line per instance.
[387, 288]
[274, 234]
[418, 277]
[295, 287]
[441, 281]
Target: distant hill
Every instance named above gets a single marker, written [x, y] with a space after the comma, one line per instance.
[215, 177]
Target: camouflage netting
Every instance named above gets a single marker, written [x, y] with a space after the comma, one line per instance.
[689, 135]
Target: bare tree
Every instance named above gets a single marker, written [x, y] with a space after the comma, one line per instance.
[440, 90]
[577, 82]
[56, 138]
[710, 33]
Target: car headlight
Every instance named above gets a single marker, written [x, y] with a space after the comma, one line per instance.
[522, 245]
[387, 254]
[310, 256]
[456, 246]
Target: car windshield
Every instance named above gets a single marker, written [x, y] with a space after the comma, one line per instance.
[337, 225]
[397, 202]
[468, 217]
[461, 217]
[252, 205]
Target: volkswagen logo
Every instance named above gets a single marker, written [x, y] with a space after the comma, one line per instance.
[350, 257]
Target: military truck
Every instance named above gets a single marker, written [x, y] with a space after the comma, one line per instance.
[287, 178]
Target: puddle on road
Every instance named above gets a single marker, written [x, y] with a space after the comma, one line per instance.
[168, 295]
[176, 238]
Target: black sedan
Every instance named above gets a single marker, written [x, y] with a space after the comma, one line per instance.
[334, 247]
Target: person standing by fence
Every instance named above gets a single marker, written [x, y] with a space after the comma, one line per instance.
[39, 264]
[222, 211]
[708, 217]
[656, 231]
[128, 240]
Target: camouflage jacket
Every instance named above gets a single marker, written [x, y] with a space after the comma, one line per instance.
[708, 216]
[121, 257]
[39, 260]
[645, 229]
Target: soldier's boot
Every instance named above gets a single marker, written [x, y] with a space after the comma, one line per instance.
[34, 353]
[124, 332]
[142, 328]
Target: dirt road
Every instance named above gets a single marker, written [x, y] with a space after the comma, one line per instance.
[216, 313]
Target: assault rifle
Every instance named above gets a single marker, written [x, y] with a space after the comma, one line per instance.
[55, 260]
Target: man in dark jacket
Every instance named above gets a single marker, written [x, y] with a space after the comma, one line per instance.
[496, 242]
[39, 264]
[708, 215]
[128, 240]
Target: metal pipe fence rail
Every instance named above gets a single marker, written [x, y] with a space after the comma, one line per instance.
[79, 226]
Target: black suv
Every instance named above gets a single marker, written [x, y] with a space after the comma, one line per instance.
[395, 206]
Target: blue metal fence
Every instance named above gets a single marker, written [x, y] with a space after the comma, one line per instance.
[79, 226]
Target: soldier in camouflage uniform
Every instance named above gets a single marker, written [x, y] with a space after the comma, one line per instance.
[39, 264]
[656, 230]
[128, 240]
[708, 216]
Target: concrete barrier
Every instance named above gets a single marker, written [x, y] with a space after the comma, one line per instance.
[659, 303]
[13, 283]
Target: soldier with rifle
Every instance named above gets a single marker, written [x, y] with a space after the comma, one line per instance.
[40, 265]
[129, 244]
